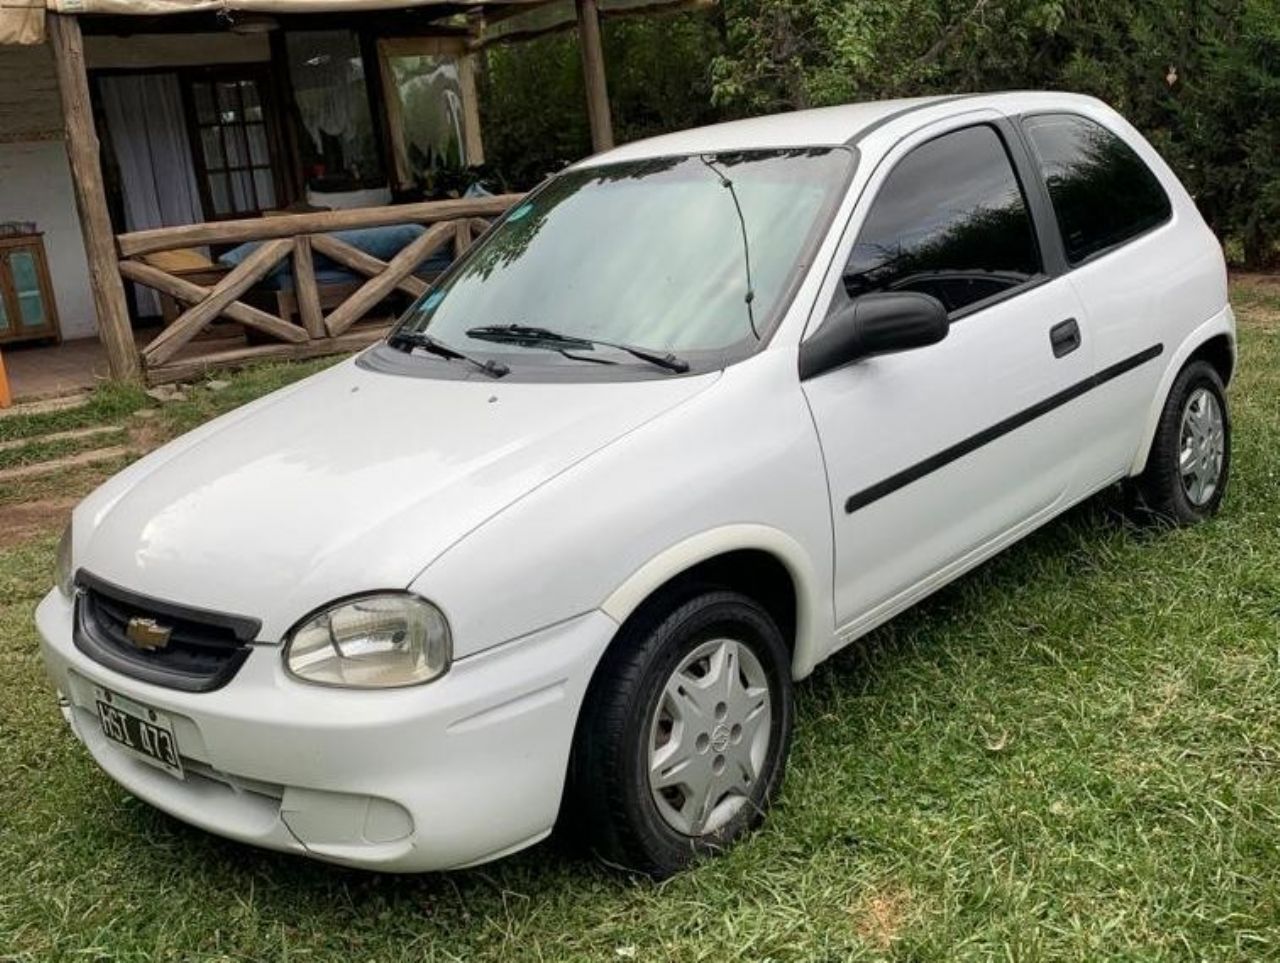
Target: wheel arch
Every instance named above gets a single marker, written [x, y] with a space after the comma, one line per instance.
[757, 560]
[1215, 342]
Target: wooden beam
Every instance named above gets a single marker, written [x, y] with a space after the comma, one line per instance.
[190, 293]
[394, 108]
[83, 154]
[461, 238]
[190, 368]
[305, 288]
[400, 266]
[324, 222]
[473, 139]
[363, 263]
[593, 75]
[246, 274]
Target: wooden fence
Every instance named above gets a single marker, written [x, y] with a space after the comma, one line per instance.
[326, 315]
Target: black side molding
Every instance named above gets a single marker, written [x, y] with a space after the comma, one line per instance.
[945, 457]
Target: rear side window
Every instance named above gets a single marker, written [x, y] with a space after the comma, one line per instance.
[1102, 192]
[951, 221]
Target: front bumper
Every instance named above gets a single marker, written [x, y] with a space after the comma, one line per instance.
[456, 772]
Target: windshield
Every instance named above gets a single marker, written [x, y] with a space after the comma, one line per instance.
[689, 258]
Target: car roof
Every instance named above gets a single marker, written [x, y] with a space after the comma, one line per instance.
[827, 126]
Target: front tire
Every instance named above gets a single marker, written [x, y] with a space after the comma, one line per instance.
[684, 735]
[1190, 459]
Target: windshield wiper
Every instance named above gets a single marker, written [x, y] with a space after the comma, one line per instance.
[534, 335]
[408, 340]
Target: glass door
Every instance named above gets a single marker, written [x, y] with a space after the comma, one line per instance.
[432, 113]
[27, 309]
[28, 292]
[4, 303]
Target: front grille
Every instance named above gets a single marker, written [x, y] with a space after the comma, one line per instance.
[202, 652]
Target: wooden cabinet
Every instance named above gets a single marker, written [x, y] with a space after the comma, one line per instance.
[27, 308]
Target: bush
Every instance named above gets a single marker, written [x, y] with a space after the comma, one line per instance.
[1201, 78]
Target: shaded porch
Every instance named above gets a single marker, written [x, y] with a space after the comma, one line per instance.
[244, 271]
[40, 371]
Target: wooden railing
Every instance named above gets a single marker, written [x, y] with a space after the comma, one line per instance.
[299, 237]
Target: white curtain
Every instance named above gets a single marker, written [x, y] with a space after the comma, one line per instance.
[148, 132]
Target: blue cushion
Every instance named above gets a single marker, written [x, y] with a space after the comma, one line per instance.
[384, 243]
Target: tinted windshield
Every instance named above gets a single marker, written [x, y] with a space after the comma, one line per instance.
[691, 255]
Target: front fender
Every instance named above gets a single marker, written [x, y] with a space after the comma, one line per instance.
[681, 557]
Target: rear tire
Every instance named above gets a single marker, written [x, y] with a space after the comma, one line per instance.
[684, 736]
[1190, 460]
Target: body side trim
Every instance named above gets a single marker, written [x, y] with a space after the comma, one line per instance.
[945, 457]
[881, 613]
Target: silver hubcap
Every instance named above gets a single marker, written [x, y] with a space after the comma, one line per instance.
[709, 737]
[1202, 446]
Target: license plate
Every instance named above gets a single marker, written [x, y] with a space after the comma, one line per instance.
[146, 732]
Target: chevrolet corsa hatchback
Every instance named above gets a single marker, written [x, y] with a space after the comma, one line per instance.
[694, 415]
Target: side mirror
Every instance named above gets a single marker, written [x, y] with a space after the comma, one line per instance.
[874, 324]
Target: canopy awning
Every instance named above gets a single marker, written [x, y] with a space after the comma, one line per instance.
[22, 21]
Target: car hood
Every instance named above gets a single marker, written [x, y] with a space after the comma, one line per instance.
[352, 481]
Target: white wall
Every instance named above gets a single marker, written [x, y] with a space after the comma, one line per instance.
[35, 185]
[35, 180]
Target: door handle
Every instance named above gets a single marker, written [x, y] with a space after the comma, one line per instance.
[1064, 337]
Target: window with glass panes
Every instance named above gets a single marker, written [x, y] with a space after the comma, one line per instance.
[234, 146]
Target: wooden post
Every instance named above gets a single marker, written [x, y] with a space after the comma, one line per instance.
[304, 287]
[593, 75]
[472, 138]
[114, 329]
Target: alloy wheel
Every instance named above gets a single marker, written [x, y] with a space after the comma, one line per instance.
[1201, 446]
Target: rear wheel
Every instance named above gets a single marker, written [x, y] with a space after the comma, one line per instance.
[1190, 460]
[685, 733]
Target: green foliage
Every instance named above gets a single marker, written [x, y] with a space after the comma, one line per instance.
[533, 103]
[1199, 77]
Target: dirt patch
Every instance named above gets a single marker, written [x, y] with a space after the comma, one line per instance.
[77, 434]
[1245, 277]
[60, 403]
[39, 469]
[880, 915]
[147, 432]
[1258, 316]
[27, 520]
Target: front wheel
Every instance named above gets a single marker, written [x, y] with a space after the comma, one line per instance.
[684, 735]
[1190, 460]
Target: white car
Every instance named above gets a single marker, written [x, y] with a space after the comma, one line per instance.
[694, 415]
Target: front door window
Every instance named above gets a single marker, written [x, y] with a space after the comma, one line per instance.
[233, 146]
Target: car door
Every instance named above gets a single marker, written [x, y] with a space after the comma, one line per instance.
[937, 455]
[1135, 275]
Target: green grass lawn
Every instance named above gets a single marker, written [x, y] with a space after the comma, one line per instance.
[1071, 754]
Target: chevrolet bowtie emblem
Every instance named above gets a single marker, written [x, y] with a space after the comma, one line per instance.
[148, 634]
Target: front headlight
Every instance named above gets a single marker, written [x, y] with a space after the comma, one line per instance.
[374, 642]
[63, 573]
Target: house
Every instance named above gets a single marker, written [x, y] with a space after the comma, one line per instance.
[214, 181]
